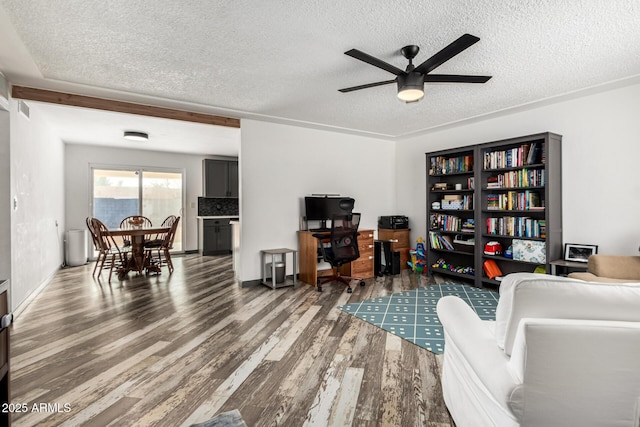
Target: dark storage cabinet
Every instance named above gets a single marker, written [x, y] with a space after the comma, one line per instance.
[220, 178]
[507, 192]
[216, 237]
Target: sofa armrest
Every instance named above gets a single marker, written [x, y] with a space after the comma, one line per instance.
[588, 365]
[474, 340]
[615, 266]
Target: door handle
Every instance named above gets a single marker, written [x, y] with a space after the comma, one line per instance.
[6, 321]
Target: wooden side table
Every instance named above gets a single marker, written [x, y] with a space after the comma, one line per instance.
[566, 264]
[282, 254]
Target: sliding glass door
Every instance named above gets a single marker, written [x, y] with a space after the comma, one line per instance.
[156, 194]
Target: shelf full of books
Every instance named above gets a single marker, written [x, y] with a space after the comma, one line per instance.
[514, 157]
[517, 226]
[517, 178]
[443, 165]
[512, 188]
[515, 201]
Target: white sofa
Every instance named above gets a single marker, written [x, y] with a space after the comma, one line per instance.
[562, 352]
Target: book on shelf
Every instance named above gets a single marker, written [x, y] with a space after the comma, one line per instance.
[439, 241]
[445, 222]
[518, 178]
[440, 165]
[525, 154]
[515, 201]
[468, 225]
[516, 226]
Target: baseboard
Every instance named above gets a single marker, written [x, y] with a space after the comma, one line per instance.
[191, 251]
[249, 283]
[25, 304]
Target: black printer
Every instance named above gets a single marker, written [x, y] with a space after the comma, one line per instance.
[393, 222]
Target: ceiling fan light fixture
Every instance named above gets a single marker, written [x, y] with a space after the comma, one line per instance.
[410, 87]
[136, 136]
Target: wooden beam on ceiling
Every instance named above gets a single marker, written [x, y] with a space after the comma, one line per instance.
[41, 95]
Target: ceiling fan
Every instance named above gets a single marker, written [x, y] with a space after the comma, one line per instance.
[411, 81]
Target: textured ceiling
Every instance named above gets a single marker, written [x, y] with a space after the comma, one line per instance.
[284, 60]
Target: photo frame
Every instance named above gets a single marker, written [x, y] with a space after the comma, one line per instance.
[578, 252]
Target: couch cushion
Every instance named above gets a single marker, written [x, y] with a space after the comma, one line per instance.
[590, 277]
[541, 295]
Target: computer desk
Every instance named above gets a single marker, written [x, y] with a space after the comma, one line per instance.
[308, 262]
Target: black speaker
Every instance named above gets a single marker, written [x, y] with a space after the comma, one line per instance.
[395, 263]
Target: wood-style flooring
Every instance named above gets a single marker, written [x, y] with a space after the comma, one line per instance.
[174, 350]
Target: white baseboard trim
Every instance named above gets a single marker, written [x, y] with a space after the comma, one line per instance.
[24, 305]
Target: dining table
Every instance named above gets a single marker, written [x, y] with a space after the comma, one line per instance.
[138, 261]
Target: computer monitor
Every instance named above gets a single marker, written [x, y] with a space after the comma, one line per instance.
[323, 208]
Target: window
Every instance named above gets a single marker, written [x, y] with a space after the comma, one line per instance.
[154, 193]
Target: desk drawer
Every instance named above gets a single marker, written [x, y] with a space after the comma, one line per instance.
[366, 247]
[362, 267]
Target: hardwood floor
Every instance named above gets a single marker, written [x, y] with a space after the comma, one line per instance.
[176, 350]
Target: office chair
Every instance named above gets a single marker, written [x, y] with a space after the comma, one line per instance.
[340, 247]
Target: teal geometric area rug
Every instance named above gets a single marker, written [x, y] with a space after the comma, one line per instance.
[412, 314]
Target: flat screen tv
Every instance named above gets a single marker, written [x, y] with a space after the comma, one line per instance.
[323, 208]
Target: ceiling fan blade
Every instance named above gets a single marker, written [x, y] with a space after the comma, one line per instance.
[365, 57]
[351, 89]
[447, 53]
[454, 78]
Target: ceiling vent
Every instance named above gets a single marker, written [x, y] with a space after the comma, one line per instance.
[4, 92]
[23, 107]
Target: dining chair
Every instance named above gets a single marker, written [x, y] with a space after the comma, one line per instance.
[157, 251]
[159, 238]
[134, 221]
[96, 243]
[110, 254]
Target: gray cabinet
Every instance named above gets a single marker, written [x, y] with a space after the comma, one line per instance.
[220, 178]
[216, 237]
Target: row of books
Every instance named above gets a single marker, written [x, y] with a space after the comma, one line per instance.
[446, 222]
[520, 178]
[517, 226]
[444, 165]
[515, 201]
[438, 241]
[526, 154]
[451, 223]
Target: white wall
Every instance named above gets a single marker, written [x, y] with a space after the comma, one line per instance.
[280, 164]
[78, 159]
[600, 152]
[38, 223]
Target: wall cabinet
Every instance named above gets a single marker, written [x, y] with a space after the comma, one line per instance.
[216, 237]
[220, 178]
[504, 193]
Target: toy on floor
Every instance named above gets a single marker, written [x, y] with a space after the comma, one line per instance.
[418, 257]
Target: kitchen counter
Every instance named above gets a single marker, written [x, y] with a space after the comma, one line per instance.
[217, 217]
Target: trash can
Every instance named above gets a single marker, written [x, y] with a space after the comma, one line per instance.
[76, 247]
[279, 271]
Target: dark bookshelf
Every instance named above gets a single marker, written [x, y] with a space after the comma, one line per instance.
[515, 168]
